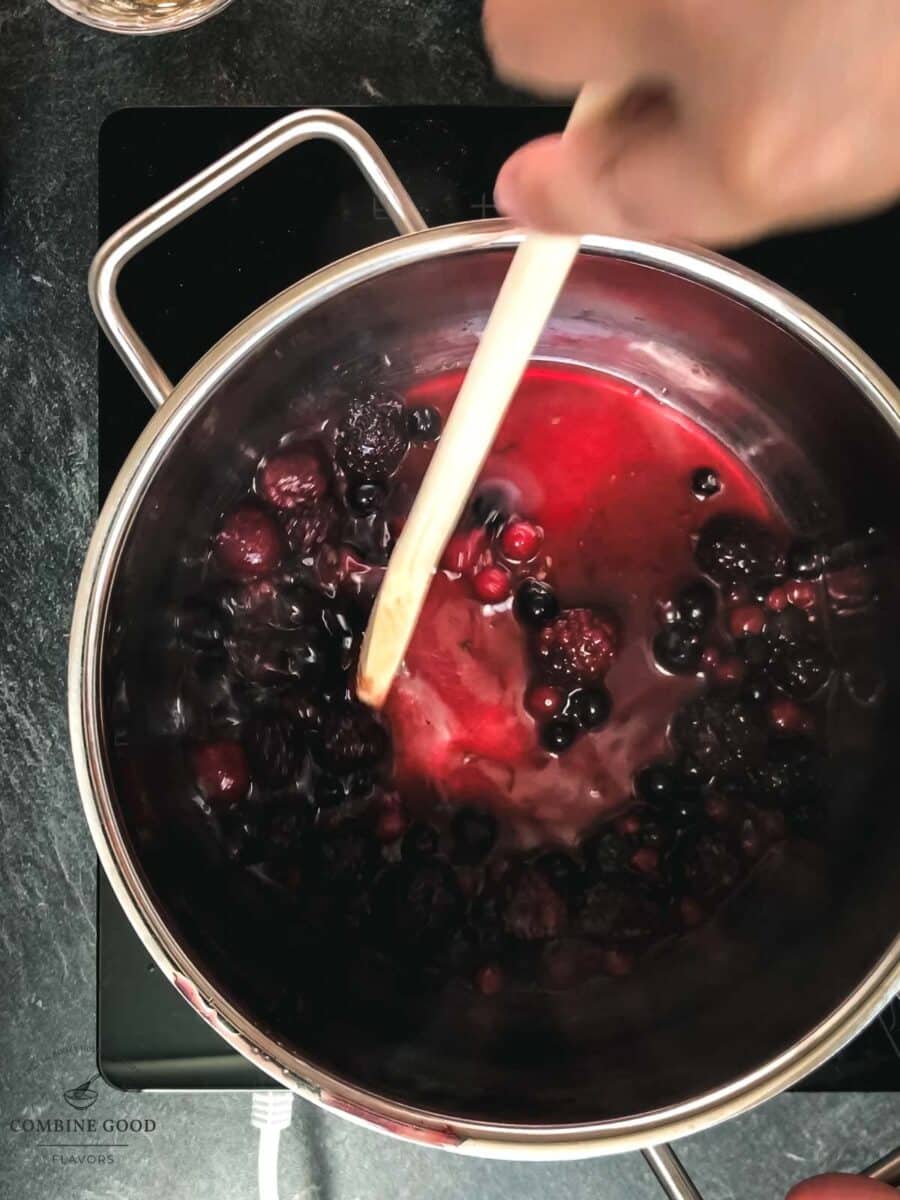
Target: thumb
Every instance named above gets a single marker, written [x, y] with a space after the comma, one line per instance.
[841, 1187]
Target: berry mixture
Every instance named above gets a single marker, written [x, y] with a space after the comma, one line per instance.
[615, 702]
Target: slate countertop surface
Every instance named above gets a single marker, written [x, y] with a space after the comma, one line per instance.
[58, 80]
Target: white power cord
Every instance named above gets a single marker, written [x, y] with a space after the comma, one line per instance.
[271, 1112]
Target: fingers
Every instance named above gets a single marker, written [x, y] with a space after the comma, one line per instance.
[657, 177]
[841, 1187]
[554, 45]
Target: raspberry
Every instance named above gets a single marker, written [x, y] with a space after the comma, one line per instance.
[248, 543]
[293, 479]
[373, 437]
[578, 646]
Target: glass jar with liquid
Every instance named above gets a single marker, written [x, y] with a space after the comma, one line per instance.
[140, 16]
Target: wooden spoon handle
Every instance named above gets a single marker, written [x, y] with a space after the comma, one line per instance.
[526, 299]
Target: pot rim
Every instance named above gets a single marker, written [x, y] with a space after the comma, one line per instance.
[489, 1139]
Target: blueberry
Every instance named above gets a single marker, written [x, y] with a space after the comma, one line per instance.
[490, 509]
[788, 627]
[705, 483]
[330, 791]
[419, 841]
[366, 497]
[677, 649]
[589, 708]
[558, 735]
[474, 834]
[806, 559]
[424, 423]
[657, 785]
[535, 603]
[696, 606]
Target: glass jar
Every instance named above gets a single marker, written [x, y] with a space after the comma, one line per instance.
[140, 16]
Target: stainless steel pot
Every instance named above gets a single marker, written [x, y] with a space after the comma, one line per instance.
[811, 952]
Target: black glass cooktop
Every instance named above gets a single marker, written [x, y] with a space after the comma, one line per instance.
[307, 209]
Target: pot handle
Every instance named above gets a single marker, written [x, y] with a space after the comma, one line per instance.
[197, 192]
[678, 1185]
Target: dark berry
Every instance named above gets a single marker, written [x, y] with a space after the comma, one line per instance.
[678, 649]
[331, 791]
[372, 438]
[309, 529]
[605, 854]
[200, 625]
[788, 627]
[492, 585]
[805, 559]
[733, 549]
[756, 688]
[535, 603]
[347, 858]
[561, 871]
[761, 589]
[489, 980]
[391, 825]
[424, 423]
[658, 784]
[801, 671]
[520, 540]
[754, 650]
[293, 479]
[705, 483]
[221, 771]
[275, 747]
[474, 834]
[710, 869]
[490, 509]
[558, 735]
[693, 772]
[419, 904]
[786, 716]
[620, 914]
[419, 841]
[589, 708]
[791, 775]
[352, 739]
[284, 826]
[695, 606]
[578, 646]
[248, 543]
[720, 731]
[274, 658]
[534, 908]
[366, 497]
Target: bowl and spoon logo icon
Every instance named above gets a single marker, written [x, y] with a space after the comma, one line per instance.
[83, 1096]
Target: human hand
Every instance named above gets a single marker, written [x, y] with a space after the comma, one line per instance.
[841, 1187]
[723, 121]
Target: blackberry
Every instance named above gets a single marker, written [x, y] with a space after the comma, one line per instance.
[372, 437]
[351, 739]
[534, 909]
[275, 746]
[720, 732]
[733, 549]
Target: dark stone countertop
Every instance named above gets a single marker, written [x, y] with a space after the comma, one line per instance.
[58, 81]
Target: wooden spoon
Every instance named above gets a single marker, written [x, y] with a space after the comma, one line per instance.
[529, 292]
